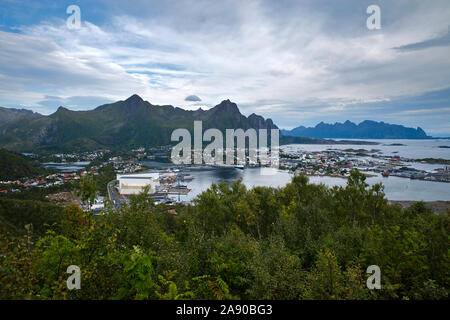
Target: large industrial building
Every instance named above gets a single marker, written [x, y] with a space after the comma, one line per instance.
[136, 182]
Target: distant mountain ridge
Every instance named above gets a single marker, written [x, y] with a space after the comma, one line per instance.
[365, 130]
[11, 114]
[133, 122]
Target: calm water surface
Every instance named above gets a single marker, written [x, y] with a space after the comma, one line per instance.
[413, 149]
[396, 188]
[66, 166]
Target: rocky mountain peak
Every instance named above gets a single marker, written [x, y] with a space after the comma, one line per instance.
[132, 104]
[134, 98]
[227, 106]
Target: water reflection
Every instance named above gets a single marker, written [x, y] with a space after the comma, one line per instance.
[396, 188]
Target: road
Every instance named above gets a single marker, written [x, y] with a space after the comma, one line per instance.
[115, 198]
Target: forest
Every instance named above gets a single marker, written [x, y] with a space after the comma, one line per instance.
[302, 241]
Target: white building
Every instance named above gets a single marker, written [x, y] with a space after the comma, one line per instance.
[134, 183]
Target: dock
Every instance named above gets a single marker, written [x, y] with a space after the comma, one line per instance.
[173, 190]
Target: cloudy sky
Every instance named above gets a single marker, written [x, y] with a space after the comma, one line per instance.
[297, 62]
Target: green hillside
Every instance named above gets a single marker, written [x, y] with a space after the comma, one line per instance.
[15, 166]
[120, 126]
[16, 214]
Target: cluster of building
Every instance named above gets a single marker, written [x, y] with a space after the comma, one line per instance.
[316, 163]
[163, 181]
[339, 164]
[121, 166]
[42, 182]
[79, 156]
[161, 186]
[439, 174]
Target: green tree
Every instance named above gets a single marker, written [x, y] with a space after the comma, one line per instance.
[88, 190]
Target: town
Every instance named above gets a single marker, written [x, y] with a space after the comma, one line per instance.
[122, 174]
[338, 163]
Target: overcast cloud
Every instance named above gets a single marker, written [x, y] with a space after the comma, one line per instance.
[298, 62]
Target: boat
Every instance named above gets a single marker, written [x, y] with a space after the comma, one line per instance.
[385, 173]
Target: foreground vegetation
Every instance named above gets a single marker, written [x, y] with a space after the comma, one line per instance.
[303, 241]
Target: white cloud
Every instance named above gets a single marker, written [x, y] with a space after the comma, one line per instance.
[250, 52]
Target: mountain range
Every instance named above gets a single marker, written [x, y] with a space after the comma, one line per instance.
[120, 125]
[10, 115]
[133, 122]
[365, 130]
